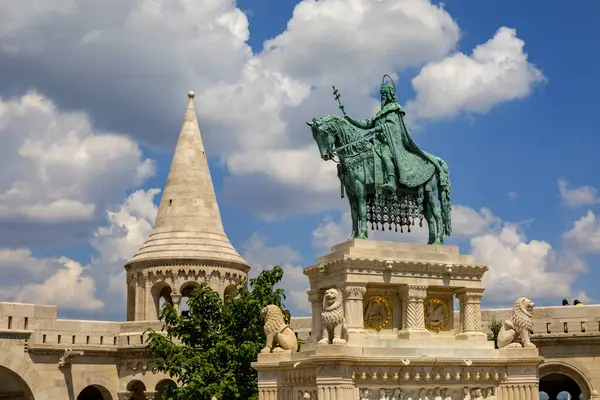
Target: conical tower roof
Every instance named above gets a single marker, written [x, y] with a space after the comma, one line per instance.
[188, 225]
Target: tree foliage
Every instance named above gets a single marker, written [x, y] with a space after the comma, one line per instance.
[494, 327]
[210, 351]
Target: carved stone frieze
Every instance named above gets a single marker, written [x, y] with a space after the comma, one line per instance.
[299, 377]
[398, 268]
[428, 374]
[427, 393]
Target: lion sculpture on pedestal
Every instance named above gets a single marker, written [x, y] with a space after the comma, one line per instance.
[334, 322]
[515, 331]
[280, 337]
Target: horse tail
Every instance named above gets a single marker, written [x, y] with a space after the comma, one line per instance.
[444, 195]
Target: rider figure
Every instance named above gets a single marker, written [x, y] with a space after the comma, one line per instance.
[403, 161]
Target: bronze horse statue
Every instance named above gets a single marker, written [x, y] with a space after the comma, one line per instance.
[359, 166]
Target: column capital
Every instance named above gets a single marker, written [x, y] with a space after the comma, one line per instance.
[176, 297]
[354, 292]
[416, 292]
[314, 295]
[467, 295]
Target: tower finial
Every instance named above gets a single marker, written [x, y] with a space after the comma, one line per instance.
[191, 94]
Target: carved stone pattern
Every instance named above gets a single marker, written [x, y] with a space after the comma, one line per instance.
[472, 317]
[314, 296]
[416, 293]
[354, 292]
[306, 376]
[436, 375]
[426, 393]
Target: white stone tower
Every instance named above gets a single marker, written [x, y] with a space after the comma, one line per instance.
[188, 244]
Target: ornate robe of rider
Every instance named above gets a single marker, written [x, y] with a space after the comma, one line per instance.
[412, 166]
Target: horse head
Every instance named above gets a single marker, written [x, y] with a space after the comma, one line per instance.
[324, 134]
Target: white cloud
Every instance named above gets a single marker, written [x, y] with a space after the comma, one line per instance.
[513, 195]
[577, 197]
[61, 169]
[519, 267]
[261, 256]
[584, 236]
[252, 105]
[497, 71]
[64, 282]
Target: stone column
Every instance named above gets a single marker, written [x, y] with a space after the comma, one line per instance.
[413, 297]
[316, 301]
[470, 313]
[176, 297]
[149, 301]
[353, 310]
[140, 297]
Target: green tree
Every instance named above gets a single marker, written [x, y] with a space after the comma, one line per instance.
[209, 352]
[494, 327]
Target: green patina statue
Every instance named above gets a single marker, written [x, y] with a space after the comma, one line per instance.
[388, 178]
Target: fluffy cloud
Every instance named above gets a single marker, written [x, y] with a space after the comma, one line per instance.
[261, 256]
[577, 197]
[518, 266]
[496, 72]
[252, 105]
[61, 169]
[97, 287]
[584, 236]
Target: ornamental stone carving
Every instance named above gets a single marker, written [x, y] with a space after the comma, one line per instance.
[334, 322]
[515, 331]
[280, 337]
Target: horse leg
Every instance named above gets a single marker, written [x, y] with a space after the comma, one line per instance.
[430, 222]
[435, 209]
[361, 196]
[354, 213]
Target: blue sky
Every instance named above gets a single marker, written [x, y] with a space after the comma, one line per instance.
[89, 120]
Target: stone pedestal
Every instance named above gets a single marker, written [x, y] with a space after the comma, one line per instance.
[403, 342]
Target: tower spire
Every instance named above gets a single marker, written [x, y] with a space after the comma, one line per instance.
[188, 244]
[188, 224]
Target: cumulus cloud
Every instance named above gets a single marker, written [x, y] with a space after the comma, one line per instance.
[131, 77]
[61, 169]
[262, 256]
[584, 236]
[97, 287]
[497, 71]
[577, 197]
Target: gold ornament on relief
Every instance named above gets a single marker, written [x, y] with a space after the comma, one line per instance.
[437, 314]
[377, 313]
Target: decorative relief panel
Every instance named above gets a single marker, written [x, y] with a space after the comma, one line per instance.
[437, 314]
[428, 393]
[377, 313]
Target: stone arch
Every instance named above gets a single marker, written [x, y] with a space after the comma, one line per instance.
[13, 385]
[136, 388]
[161, 291]
[186, 290]
[28, 374]
[572, 370]
[94, 392]
[104, 384]
[231, 292]
[161, 386]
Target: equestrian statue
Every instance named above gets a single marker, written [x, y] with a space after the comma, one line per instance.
[389, 180]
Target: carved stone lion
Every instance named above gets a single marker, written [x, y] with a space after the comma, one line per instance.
[515, 331]
[280, 336]
[334, 322]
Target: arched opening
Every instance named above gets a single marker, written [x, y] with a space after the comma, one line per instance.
[557, 386]
[544, 395]
[230, 293]
[94, 392]
[186, 291]
[161, 387]
[137, 389]
[12, 386]
[161, 294]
